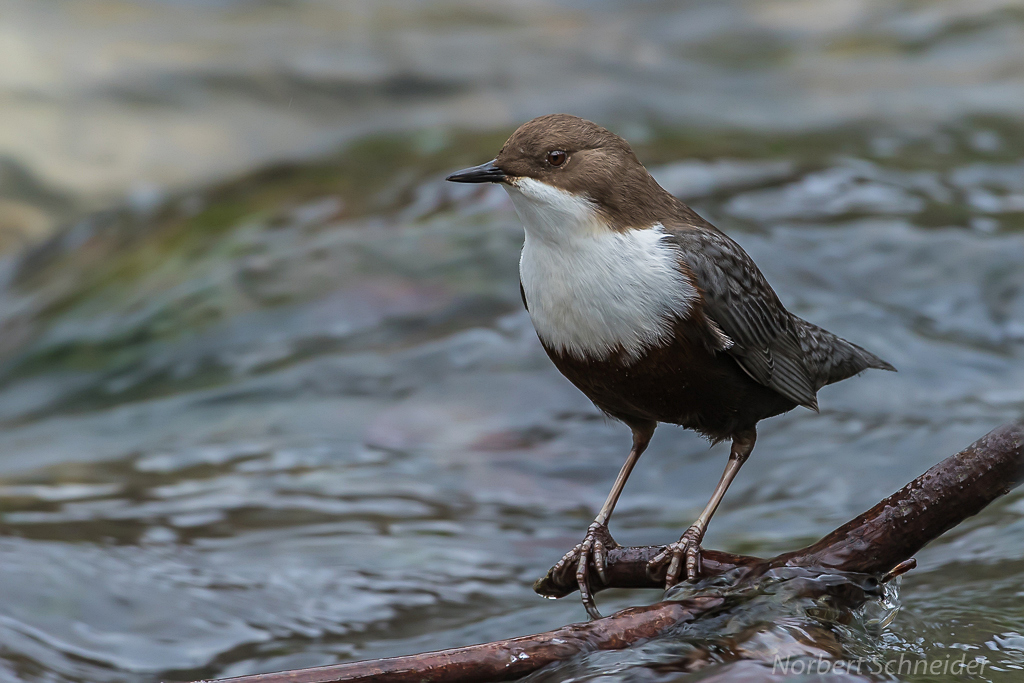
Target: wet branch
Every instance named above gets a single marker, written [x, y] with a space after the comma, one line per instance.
[892, 531]
[883, 538]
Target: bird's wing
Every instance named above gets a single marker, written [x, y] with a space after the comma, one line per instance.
[740, 301]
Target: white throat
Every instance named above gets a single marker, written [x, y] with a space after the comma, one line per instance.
[590, 289]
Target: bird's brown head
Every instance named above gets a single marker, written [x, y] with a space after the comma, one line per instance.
[579, 157]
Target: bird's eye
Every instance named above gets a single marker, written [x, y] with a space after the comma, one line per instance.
[557, 157]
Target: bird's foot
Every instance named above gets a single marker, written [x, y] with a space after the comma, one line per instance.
[576, 564]
[687, 549]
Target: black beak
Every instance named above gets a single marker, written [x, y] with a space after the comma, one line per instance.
[484, 173]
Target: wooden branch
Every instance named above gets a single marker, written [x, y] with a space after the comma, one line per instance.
[885, 536]
[506, 659]
[892, 531]
[627, 568]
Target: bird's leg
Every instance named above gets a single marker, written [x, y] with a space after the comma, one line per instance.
[591, 552]
[688, 545]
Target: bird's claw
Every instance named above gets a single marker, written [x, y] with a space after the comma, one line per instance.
[686, 548]
[592, 552]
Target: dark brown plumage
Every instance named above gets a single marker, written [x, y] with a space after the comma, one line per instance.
[730, 356]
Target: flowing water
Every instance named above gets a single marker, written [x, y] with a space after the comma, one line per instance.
[298, 416]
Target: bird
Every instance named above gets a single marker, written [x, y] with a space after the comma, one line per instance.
[653, 313]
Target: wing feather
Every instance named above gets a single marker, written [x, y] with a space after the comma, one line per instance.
[741, 302]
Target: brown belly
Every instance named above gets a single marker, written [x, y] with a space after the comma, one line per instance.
[682, 383]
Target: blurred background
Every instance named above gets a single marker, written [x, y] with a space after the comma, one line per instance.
[269, 399]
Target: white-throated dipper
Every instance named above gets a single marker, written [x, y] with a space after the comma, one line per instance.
[652, 312]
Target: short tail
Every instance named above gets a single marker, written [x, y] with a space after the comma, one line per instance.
[832, 358]
[859, 359]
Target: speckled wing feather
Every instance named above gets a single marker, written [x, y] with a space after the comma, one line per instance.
[776, 348]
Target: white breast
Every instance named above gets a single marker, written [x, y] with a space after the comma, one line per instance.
[591, 289]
